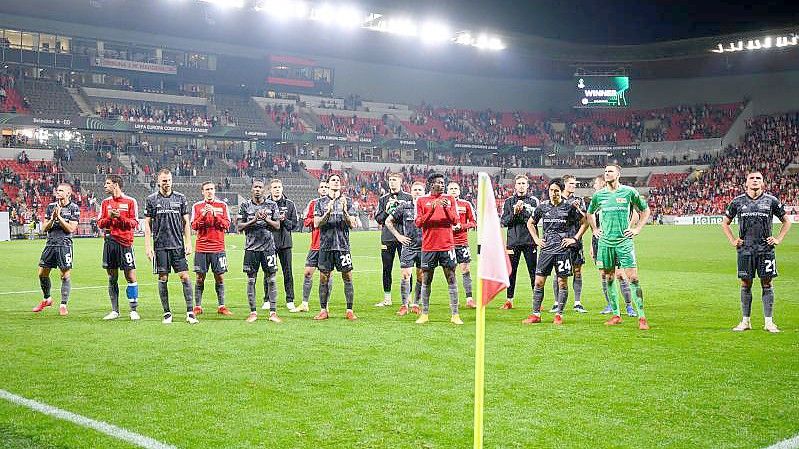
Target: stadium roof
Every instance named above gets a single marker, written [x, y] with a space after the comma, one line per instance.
[528, 56]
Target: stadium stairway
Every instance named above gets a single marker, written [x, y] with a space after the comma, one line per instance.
[82, 103]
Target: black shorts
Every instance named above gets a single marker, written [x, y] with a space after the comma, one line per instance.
[595, 246]
[560, 262]
[116, 256]
[256, 260]
[312, 259]
[764, 264]
[56, 257]
[463, 254]
[410, 257]
[166, 259]
[217, 262]
[432, 259]
[577, 255]
[340, 260]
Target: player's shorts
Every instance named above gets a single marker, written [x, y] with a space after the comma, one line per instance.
[619, 256]
[166, 259]
[340, 260]
[410, 257]
[312, 259]
[577, 255]
[56, 257]
[463, 254]
[764, 264]
[256, 260]
[216, 261]
[560, 262]
[432, 259]
[116, 256]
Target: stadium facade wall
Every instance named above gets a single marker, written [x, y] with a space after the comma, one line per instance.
[34, 154]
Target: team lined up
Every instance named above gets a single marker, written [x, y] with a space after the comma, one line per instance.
[427, 230]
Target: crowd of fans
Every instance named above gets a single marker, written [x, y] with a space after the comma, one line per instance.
[10, 99]
[770, 145]
[254, 163]
[352, 125]
[165, 114]
[285, 117]
[579, 128]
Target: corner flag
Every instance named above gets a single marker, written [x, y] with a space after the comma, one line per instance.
[493, 276]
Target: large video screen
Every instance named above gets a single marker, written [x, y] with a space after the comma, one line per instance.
[602, 91]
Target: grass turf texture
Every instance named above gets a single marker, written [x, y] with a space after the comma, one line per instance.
[384, 382]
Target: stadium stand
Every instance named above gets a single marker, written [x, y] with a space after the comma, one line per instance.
[770, 145]
[10, 98]
[47, 97]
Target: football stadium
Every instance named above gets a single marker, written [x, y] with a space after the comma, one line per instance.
[399, 224]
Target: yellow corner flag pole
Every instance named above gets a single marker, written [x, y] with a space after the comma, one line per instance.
[479, 353]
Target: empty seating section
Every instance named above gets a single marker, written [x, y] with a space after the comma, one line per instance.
[47, 97]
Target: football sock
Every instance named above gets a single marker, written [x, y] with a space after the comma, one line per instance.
[45, 284]
[405, 290]
[132, 292]
[199, 288]
[417, 291]
[349, 293]
[324, 294]
[605, 290]
[220, 293]
[577, 286]
[768, 302]
[66, 288]
[452, 288]
[467, 284]
[638, 298]
[746, 301]
[555, 291]
[563, 296]
[538, 298]
[163, 293]
[113, 292]
[425, 298]
[187, 294]
[624, 286]
[307, 285]
[613, 298]
[251, 278]
[270, 291]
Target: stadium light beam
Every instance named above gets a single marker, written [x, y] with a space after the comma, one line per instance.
[225, 4]
[435, 33]
[349, 17]
[284, 9]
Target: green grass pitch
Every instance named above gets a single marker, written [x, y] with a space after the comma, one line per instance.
[384, 382]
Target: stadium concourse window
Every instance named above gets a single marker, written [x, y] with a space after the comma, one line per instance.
[201, 61]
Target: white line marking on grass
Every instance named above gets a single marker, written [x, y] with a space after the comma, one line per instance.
[790, 443]
[100, 426]
[94, 287]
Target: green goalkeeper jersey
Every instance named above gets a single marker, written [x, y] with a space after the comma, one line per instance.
[615, 208]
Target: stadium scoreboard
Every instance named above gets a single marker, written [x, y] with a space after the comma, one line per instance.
[599, 91]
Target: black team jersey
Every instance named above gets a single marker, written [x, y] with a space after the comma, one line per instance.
[166, 219]
[558, 223]
[755, 216]
[57, 236]
[335, 234]
[259, 237]
[404, 216]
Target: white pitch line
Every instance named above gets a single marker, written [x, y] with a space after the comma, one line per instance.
[94, 287]
[790, 443]
[100, 426]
